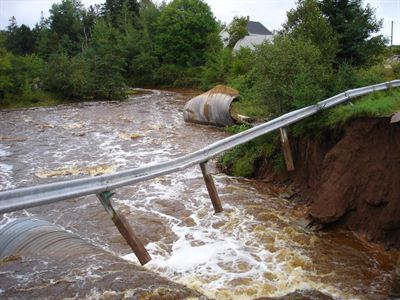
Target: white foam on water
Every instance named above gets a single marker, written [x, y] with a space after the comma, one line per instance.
[228, 260]
[224, 256]
[6, 170]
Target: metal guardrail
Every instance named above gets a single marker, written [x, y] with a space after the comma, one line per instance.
[23, 198]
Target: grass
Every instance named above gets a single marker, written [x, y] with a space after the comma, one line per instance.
[32, 99]
[131, 92]
[379, 104]
[250, 108]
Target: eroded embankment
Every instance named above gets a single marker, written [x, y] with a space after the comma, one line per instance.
[352, 178]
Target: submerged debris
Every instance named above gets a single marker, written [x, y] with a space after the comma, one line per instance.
[92, 171]
[73, 126]
[130, 136]
[12, 138]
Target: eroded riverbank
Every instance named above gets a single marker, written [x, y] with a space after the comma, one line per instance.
[256, 247]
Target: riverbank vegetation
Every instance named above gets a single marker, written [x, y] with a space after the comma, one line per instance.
[315, 56]
[80, 54]
[97, 52]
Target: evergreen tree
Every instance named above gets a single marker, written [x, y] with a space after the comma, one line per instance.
[89, 18]
[113, 8]
[65, 23]
[107, 59]
[5, 70]
[355, 26]
[20, 40]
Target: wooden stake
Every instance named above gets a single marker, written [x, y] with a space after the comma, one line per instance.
[287, 152]
[212, 190]
[124, 228]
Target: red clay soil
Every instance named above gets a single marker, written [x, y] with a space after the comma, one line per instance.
[353, 180]
[359, 183]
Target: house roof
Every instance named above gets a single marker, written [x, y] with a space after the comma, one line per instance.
[257, 28]
[250, 41]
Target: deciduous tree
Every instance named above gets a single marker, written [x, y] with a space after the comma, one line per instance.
[308, 22]
[182, 32]
[237, 30]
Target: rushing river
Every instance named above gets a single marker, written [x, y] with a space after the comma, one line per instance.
[256, 247]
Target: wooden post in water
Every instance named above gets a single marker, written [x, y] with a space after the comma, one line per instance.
[287, 152]
[212, 190]
[124, 228]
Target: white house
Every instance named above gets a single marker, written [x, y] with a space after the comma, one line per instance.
[258, 34]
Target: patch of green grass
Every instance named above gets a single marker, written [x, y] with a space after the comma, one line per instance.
[379, 104]
[250, 108]
[131, 92]
[237, 128]
[31, 99]
[241, 160]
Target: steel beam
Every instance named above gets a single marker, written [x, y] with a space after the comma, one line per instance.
[212, 190]
[124, 228]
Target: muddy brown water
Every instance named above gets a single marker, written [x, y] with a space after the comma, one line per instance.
[256, 247]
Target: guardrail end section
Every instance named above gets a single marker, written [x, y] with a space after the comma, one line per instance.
[212, 190]
[124, 228]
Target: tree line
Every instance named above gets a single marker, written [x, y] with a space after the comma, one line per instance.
[97, 52]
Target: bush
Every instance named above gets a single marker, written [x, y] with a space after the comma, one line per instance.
[373, 75]
[291, 73]
[217, 69]
[173, 75]
[144, 69]
[58, 74]
[30, 99]
[241, 160]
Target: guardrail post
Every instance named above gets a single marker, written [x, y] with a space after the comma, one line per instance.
[287, 152]
[124, 228]
[212, 190]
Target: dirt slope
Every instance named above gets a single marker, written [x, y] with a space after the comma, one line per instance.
[353, 179]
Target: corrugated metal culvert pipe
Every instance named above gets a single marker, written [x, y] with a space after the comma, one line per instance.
[39, 260]
[212, 107]
[26, 236]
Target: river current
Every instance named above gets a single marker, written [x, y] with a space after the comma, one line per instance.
[256, 247]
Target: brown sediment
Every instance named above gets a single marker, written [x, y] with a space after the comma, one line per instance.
[352, 179]
[88, 276]
[76, 170]
[300, 295]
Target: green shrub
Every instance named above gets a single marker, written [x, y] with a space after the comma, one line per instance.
[291, 73]
[30, 99]
[217, 69]
[237, 128]
[241, 160]
[373, 75]
[250, 108]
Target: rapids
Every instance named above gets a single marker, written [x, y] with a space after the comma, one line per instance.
[256, 247]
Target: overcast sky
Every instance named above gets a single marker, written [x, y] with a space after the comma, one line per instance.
[272, 13]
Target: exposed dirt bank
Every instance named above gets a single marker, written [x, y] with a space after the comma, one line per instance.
[352, 179]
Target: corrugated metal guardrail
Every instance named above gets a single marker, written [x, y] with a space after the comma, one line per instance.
[22, 198]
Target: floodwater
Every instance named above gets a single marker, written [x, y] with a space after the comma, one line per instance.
[256, 247]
